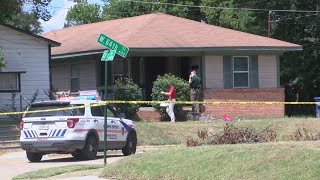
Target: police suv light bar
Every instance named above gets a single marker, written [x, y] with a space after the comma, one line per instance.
[80, 95]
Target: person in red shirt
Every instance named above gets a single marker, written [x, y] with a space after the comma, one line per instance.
[171, 98]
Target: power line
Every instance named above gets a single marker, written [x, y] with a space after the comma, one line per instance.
[278, 20]
[218, 7]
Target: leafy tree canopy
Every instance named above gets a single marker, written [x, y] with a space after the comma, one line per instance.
[10, 8]
[12, 12]
[27, 21]
[83, 13]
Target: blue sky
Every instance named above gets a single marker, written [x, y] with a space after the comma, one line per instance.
[59, 10]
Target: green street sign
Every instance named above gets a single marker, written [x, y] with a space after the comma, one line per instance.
[113, 45]
[108, 55]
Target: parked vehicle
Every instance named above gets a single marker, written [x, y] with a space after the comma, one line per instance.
[79, 131]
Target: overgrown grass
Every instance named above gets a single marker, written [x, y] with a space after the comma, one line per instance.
[282, 160]
[160, 133]
[44, 173]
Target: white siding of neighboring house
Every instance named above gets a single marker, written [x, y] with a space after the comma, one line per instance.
[61, 74]
[267, 71]
[214, 71]
[25, 53]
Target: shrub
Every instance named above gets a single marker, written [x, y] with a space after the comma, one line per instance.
[182, 90]
[126, 90]
[3, 63]
[233, 135]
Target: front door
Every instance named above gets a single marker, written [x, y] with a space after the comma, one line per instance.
[154, 66]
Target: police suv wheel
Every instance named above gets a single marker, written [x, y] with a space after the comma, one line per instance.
[90, 149]
[34, 157]
[131, 144]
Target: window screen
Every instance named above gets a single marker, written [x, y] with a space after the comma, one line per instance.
[9, 81]
[74, 78]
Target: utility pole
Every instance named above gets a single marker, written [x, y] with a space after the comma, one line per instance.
[269, 23]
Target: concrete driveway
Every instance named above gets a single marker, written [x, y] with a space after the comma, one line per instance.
[16, 163]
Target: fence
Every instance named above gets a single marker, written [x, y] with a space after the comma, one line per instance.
[9, 137]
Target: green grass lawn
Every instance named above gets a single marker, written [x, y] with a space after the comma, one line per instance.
[278, 160]
[161, 133]
[281, 160]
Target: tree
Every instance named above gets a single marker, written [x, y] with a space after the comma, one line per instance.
[27, 21]
[10, 8]
[83, 13]
[237, 19]
[120, 9]
[2, 60]
[12, 13]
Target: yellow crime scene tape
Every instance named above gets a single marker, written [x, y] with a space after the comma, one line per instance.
[102, 103]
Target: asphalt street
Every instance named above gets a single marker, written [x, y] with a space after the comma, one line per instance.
[16, 163]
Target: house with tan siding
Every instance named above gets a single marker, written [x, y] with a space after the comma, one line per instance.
[27, 69]
[234, 66]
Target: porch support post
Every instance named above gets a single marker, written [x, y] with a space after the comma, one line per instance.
[203, 71]
[129, 68]
[142, 77]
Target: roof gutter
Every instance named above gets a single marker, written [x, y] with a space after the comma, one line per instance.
[70, 55]
[188, 51]
[215, 49]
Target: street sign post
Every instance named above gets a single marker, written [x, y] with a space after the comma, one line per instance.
[105, 114]
[115, 48]
[113, 45]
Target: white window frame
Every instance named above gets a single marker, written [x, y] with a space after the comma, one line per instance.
[233, 74]
[77, 77]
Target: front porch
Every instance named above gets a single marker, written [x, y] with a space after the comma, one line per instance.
[145, 70]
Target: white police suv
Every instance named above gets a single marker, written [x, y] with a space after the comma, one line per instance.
[77, 131]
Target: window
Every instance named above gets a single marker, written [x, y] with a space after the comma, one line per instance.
[74, 78]
[240, 71]
[97, 111]
[67, 112]
[9, 82]
[110, 113]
